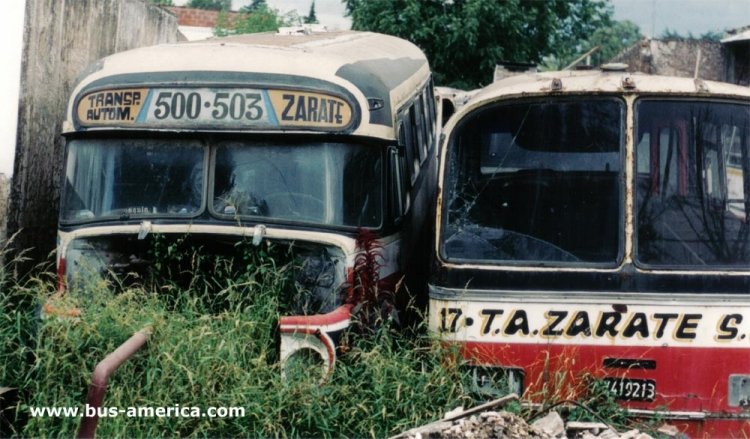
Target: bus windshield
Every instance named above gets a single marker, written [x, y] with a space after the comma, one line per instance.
[123, 178]
[693, 181]
[323, 183]
[338, 184]
[536, 181]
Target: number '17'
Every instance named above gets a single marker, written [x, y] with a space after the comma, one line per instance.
[449, 319]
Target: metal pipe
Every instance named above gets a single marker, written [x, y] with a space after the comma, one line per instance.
[100, 378]
[581, 58]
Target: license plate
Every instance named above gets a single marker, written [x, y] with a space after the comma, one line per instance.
[630, 389]
[497, 381]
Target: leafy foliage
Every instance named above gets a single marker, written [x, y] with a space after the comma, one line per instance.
[671, 34]
[311, 18]
[161, 2]
[373, 303]
[215, 5]
[481, 33]
[611, 40]
[254, 6]
[208, 352]
[256, 17]
[213, 344]
[606, 43]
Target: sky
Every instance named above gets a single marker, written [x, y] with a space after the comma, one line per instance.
[652, 16]
[684, 16]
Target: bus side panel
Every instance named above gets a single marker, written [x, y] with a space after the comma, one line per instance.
[642, 358]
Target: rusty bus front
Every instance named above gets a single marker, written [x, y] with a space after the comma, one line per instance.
[282, 139]
[593, 228]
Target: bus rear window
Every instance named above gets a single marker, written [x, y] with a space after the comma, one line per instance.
[692, 183]
[536, 182]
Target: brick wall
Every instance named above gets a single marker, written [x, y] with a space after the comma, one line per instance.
[199, 17]
[676, 58]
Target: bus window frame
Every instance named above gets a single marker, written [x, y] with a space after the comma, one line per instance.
[131, 135]
[406, 140]
[209, 141]
[398, 189]
[291, 138]
[451, 149]
[418, 116]
[655, 167]
[429, 108]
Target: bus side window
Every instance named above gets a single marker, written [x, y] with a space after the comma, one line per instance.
[429, 115]
[731, 139]
[429, 98]
[421, 123]
[416, 134]
[397, 182]
[406, 136]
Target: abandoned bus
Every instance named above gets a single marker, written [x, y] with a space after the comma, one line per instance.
[303, 141]
[592, 233]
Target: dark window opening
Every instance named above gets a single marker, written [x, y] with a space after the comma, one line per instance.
[537, 181]
[692, 183]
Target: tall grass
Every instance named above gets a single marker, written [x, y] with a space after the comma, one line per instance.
[214, 344]
[213, 347]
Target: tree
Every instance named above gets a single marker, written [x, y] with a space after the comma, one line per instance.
[311, 18]
[260, 19]
[254, 6]
[613, 39]
[712, 35]
[481, 33]
[670, 34]
[216, 5]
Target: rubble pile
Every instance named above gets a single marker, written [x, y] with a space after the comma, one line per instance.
[502, 424]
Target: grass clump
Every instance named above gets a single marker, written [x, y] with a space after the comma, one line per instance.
[214, 345]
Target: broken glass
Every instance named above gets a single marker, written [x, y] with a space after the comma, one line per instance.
[536, 181]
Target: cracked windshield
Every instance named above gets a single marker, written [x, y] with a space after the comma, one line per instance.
[123, 178]
[536, 181]
[324, 183]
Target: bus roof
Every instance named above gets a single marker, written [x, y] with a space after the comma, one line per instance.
[371, 67]
[599, 82]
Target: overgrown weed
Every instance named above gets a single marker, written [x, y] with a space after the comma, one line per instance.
[214, 345]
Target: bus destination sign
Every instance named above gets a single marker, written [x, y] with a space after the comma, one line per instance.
[233, 108]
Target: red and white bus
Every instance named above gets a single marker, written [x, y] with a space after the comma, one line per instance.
[593, 227]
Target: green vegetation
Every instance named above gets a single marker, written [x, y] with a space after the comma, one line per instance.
[311, 18]
[256, 17]
[214, 345]
[211, 349]
[481, 33]
[670, 34]
[605, 43]
[161, 2]
[215, 5]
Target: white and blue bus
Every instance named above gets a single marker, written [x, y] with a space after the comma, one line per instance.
[300, 140]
